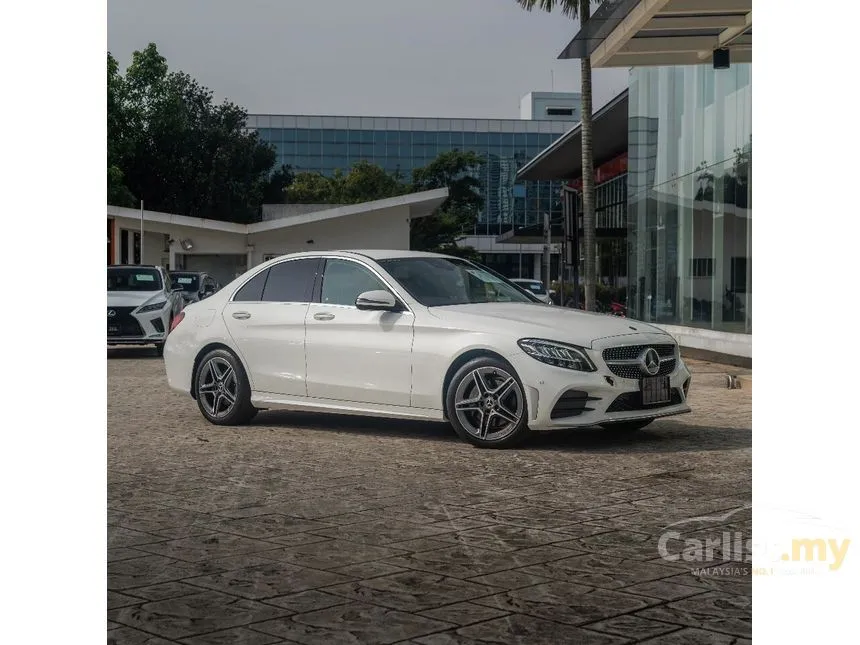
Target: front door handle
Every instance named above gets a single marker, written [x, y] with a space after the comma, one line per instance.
[241, 315]
[325, 316]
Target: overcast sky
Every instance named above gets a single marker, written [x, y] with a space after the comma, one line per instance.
[445, 58]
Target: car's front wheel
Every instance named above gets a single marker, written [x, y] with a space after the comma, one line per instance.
[222, 390]
[622, 427]
[486, 404]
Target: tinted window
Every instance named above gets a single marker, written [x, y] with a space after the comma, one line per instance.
[253, 289]
[133, 279]
[344, 281]
[451, 281]
[188, 281]
[291, 281]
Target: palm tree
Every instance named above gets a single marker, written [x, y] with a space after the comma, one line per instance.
[581, 9]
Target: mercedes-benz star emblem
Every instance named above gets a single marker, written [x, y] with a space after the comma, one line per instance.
[649, 362]
[111, 313]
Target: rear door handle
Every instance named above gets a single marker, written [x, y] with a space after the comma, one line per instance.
[325, 316]
[241, 315]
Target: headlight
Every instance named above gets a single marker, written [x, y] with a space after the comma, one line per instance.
[558, 354]
[155, 306]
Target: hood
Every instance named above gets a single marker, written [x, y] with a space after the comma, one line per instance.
[552, 323]
[133, 298]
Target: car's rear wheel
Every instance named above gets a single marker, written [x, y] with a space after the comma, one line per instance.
[486, 404]
[222, 390]
[626, 426]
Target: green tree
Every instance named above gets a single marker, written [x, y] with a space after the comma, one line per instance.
[366, 182]
[275, 191]
[118, 136]
[581, 9]
[177, 150]
[457, 171]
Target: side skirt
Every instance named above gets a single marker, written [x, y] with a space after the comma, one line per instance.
[305, 404]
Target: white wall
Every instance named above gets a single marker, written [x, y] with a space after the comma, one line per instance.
[384, 229]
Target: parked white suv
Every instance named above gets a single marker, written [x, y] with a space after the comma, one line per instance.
[141, 305]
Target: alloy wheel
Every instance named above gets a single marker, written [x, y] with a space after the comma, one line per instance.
[489, 403]
[217, 387]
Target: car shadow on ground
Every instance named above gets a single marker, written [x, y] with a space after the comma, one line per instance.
[132, 353]
[660, 437]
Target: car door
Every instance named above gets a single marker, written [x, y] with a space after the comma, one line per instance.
[266, 319]
[356, 355]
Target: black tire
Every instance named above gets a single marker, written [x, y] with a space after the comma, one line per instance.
[241, 411]
[159, 349]
[495, 372]
[622, 427]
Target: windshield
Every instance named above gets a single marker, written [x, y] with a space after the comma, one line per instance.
[437, 282]
[188, 281]
[133, 279]
[532, 285]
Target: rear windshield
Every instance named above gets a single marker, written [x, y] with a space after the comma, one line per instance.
[533, 286]
[133, 279]
[188, 281]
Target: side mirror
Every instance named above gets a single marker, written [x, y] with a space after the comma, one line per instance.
[207, 293]
[376, 301]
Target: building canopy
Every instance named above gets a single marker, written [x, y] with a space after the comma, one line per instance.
[644, 33]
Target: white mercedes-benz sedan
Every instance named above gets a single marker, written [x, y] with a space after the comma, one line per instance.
[417, 336]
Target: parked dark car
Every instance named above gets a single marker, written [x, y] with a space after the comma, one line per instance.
[196, 285]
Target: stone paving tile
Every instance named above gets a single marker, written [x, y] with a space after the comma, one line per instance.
[383, 532]
[714, 611]
[200, 613]
[267, 580]
[236, 636]
[501, 537]
[130, 636]
[516, 629]
[307, 601]
[270, 532]
[565, 602]
[124, 553]
[350, 624]
[332, 554]
[411, 590]
[603, 571]
[207, 547]
[633, 627]
[115, 600]
[164, 591]
[266, 526]
[689, 636]
[463, 613]
[466, 562]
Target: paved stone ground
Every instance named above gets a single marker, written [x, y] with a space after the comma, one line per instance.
[329, 530]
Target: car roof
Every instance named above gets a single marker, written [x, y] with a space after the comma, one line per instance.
[134, 266]
[373, 254]
[187, 272]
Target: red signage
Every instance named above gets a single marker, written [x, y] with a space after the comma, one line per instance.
[605, 171]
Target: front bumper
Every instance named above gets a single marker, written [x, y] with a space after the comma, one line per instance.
[127, 327]
[611, 398]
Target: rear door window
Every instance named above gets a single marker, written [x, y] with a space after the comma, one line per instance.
[291, 281]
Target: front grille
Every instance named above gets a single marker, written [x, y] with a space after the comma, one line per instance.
[571, 404]
[123, 323]
[631, 353]
[632, 402]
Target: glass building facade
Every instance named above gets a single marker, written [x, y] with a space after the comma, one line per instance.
[399, 145]
[689, 193]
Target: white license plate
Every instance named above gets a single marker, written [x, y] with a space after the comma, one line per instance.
[655, 390]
